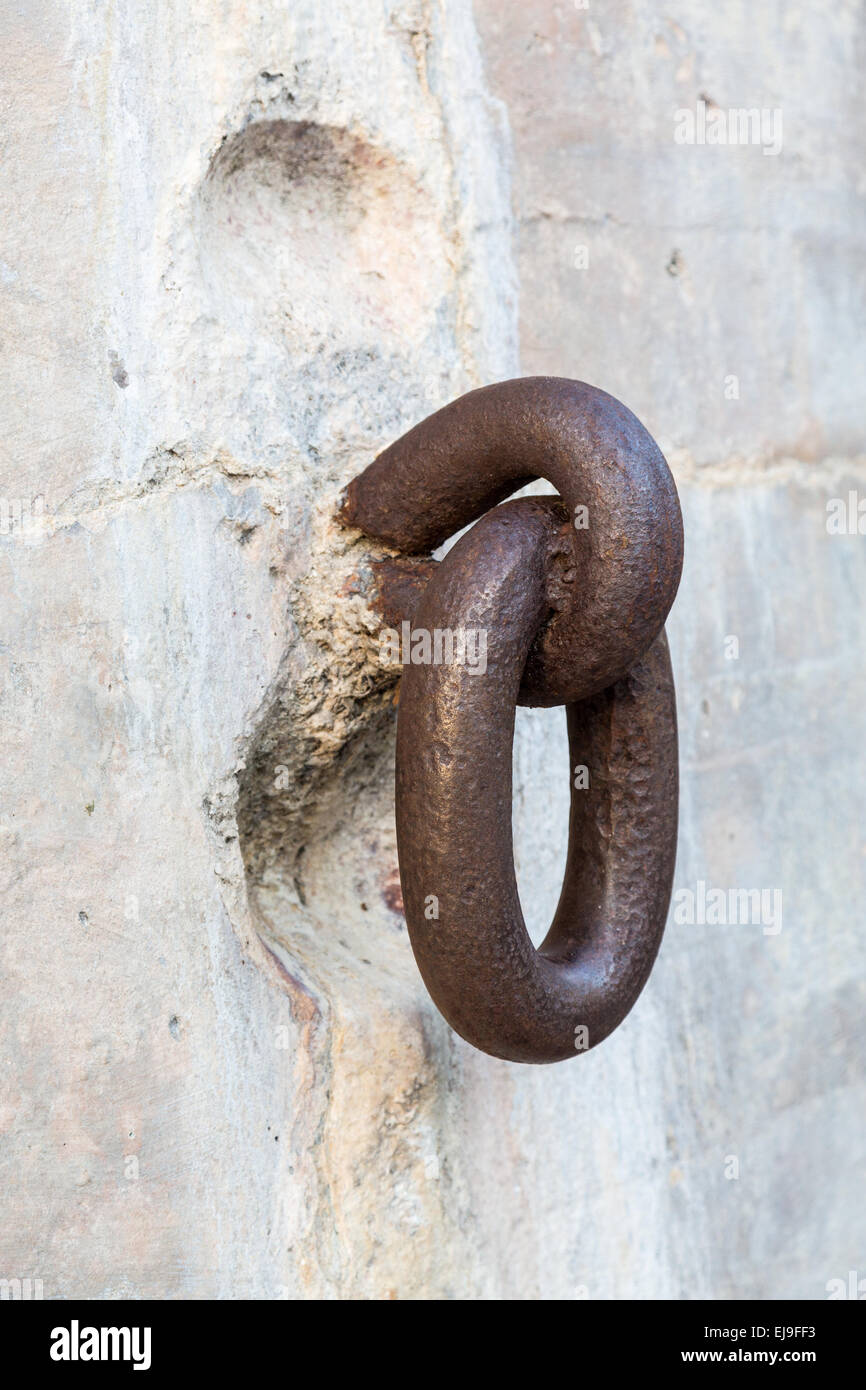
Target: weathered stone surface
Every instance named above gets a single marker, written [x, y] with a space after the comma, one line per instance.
[244, 249]
[747, 1042]
[703, 261]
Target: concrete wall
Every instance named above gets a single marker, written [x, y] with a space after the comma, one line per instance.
[720, 291]
[243, 248]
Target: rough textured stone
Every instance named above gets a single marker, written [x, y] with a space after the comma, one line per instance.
[705, 262]
[243, 249]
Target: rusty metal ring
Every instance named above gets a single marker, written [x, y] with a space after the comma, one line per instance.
[455, 731]
[622, 538]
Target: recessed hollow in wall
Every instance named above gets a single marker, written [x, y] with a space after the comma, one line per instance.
[310, 229]
[329, 290]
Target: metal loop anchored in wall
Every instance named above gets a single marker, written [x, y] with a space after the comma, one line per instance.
[571, 594]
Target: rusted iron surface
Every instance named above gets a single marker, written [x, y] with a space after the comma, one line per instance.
[564, 609]
[616, 580]
[398, 586]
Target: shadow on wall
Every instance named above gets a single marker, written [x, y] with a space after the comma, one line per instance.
[327, 266]
[325, 274]
[316, 252]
